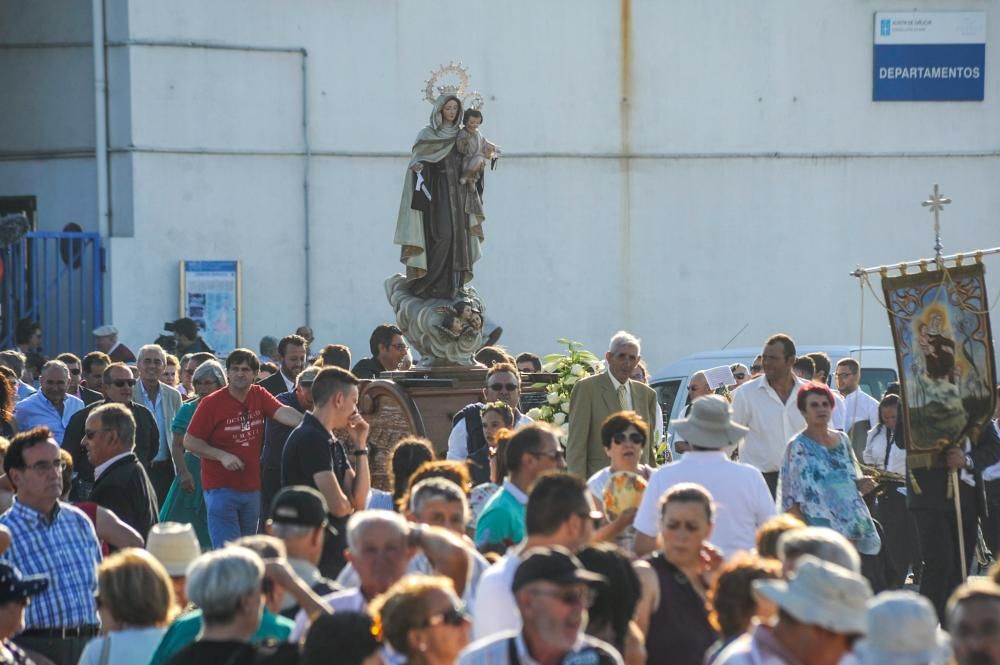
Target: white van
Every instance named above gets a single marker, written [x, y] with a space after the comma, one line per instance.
[878, 370]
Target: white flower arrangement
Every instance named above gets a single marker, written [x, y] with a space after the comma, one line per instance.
[577, 363]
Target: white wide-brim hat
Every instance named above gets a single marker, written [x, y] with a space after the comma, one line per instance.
[821, 594]
[174, 545]
[710, 425]
[902, 630]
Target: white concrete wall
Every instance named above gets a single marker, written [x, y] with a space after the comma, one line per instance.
[702, 230]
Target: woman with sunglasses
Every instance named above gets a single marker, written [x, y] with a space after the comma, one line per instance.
[421, 621]
[672, 611]
[623, 435]
[185, 502]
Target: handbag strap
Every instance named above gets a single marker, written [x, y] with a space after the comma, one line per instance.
[888, 448]
[105, 650]
[512, 658]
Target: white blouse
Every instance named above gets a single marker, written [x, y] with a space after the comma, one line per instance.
[874, 455]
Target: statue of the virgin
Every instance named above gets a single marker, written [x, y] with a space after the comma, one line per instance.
[439, 240]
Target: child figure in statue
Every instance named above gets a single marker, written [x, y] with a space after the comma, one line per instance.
[475, 149]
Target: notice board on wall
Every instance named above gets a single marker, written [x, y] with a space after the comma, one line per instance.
[211, 295]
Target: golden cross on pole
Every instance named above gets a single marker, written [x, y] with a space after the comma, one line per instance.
[936, 203]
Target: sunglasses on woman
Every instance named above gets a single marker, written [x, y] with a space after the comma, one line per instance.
[634, 437]
[453, 616]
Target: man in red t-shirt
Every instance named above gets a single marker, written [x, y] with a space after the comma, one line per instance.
[227, 433]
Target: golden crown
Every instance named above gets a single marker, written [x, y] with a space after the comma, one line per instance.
[452, 79]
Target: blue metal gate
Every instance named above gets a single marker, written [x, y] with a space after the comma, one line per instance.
[56, 278]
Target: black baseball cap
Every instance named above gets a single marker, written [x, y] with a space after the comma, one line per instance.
[300, 505]
[15, 586]
[553, 564]
[185, 326]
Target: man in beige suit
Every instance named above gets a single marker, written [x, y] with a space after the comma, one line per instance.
[597, 397]
[162, 401]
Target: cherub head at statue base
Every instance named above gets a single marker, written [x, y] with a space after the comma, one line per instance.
[444, 332]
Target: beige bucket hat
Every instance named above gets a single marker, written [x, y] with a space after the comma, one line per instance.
[710, 425]
[821, 594]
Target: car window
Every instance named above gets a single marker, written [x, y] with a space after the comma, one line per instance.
[875, 380]
[666, 394]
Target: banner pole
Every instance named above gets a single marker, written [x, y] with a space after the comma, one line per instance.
[958, 522]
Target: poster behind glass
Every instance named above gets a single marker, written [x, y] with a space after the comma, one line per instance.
[210, 294]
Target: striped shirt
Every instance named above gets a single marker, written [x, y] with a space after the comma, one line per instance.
[65, 549]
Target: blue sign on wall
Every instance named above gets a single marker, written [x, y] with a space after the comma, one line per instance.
[929, 56]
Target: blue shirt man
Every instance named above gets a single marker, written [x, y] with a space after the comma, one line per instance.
[51, 538]
[51, 406]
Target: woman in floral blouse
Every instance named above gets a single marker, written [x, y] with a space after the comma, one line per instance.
[821, 482]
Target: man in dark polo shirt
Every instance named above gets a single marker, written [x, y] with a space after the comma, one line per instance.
[388, 350]
[275, 435]
[315, 458]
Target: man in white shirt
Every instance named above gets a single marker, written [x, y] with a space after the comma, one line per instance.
[767, 406]
[503, 384]
[859, 406]
[558, 513]
[742, 500]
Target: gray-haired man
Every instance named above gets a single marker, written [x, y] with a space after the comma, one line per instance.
[380, 545]
[596, 397]
[162, 401]
[121, 484]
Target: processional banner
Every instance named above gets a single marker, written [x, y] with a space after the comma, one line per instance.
[944, 349]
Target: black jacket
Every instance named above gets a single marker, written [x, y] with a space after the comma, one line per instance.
[147, 438]
[90, 396]
[124, 489]
[934, 482]
[274, 384]
[197, 346]
[990, 438]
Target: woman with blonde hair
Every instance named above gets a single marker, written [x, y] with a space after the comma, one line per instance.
[422, 619]
[135, 600]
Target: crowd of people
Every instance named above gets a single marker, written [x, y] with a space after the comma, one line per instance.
[173, 507]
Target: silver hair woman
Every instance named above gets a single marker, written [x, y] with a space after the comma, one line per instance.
[185, 502]
[227, 586]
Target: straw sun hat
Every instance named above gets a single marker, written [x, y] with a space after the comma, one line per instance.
[174, 545]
